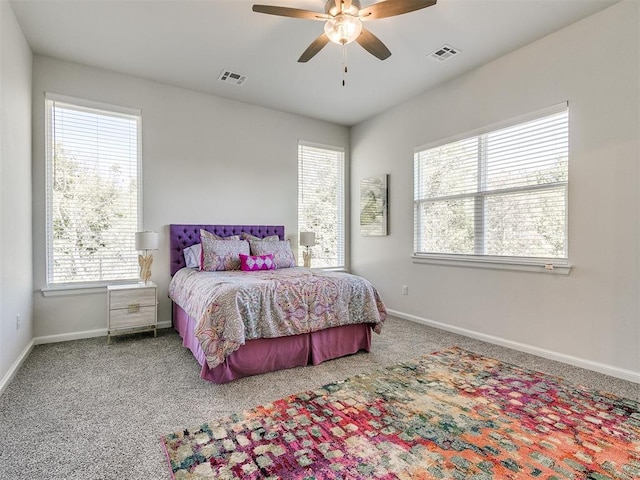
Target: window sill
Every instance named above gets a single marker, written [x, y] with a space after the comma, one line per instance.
[80, 289]
[491, 264]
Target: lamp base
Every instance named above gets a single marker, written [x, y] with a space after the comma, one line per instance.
[306, 256]
[145, 262]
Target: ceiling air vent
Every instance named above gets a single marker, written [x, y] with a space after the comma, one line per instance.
[444, 53]
[228, 76]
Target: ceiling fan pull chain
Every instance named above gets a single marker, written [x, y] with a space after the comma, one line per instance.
[344, 63]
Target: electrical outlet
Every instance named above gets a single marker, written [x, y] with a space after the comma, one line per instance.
[18, 322]
[405, 290]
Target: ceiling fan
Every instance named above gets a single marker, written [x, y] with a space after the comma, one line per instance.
[344, 22]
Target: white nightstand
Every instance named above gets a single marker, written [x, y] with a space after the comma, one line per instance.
[131, 308]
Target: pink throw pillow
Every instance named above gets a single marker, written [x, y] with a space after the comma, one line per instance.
[251, 263]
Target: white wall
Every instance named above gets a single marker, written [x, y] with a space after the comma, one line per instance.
[205, 160]
[16, 276]
[593, 314]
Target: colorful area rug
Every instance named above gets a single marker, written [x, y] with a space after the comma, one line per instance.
[450, 415]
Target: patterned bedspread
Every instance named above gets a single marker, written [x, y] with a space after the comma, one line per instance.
[232, 307]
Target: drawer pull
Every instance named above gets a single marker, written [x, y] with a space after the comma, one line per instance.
[133, 308]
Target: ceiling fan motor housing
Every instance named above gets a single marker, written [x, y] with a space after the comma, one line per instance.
[332, 9]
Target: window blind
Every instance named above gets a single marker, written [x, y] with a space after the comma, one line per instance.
[321, 202]
[502, 193]
[93, 193]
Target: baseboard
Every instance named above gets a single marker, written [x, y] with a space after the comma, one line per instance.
[101, 332]
[65, 337]
[16, 366]
[621, 373]
[166, 324]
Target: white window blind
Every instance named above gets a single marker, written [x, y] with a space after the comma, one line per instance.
[501, 194]
[321, 202]
[93, 192]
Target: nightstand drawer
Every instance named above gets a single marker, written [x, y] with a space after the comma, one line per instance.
[132, 318]
[142, 297]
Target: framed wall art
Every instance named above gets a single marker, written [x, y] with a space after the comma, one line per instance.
[373, 206]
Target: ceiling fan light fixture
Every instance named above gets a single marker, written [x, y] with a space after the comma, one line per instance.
[343, 28]
[343, 22]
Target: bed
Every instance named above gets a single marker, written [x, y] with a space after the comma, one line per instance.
[225, 357]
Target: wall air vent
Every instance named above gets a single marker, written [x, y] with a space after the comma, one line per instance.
[228, 76]
[444, 53]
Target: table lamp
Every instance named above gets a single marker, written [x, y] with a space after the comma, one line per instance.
[307, 240]
[146, 241]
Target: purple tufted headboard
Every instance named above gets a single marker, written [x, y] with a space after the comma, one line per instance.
[182, 236]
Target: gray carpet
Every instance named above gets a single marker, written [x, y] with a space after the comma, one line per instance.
[86, 410]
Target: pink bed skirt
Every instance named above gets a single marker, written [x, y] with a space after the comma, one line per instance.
[270, 354]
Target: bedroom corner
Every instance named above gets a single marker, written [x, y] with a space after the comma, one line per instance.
[16, 272]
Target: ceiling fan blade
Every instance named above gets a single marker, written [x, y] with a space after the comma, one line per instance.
[373, 45]
[389, 8]
[314, 48]
[347, 4]
[290, 12]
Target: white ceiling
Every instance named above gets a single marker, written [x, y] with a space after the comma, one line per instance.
[188, 43]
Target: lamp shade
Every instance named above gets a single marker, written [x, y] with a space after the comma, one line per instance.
[307, 239]
[146, 240]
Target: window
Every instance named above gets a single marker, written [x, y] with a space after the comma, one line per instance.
[93, 191]
[499, 196]
[321, 197]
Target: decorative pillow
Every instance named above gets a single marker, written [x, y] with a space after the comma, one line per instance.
[222, 254]
[252, 238]
[250, 263]
[213, 236]
[281, 250]
[192, 255]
